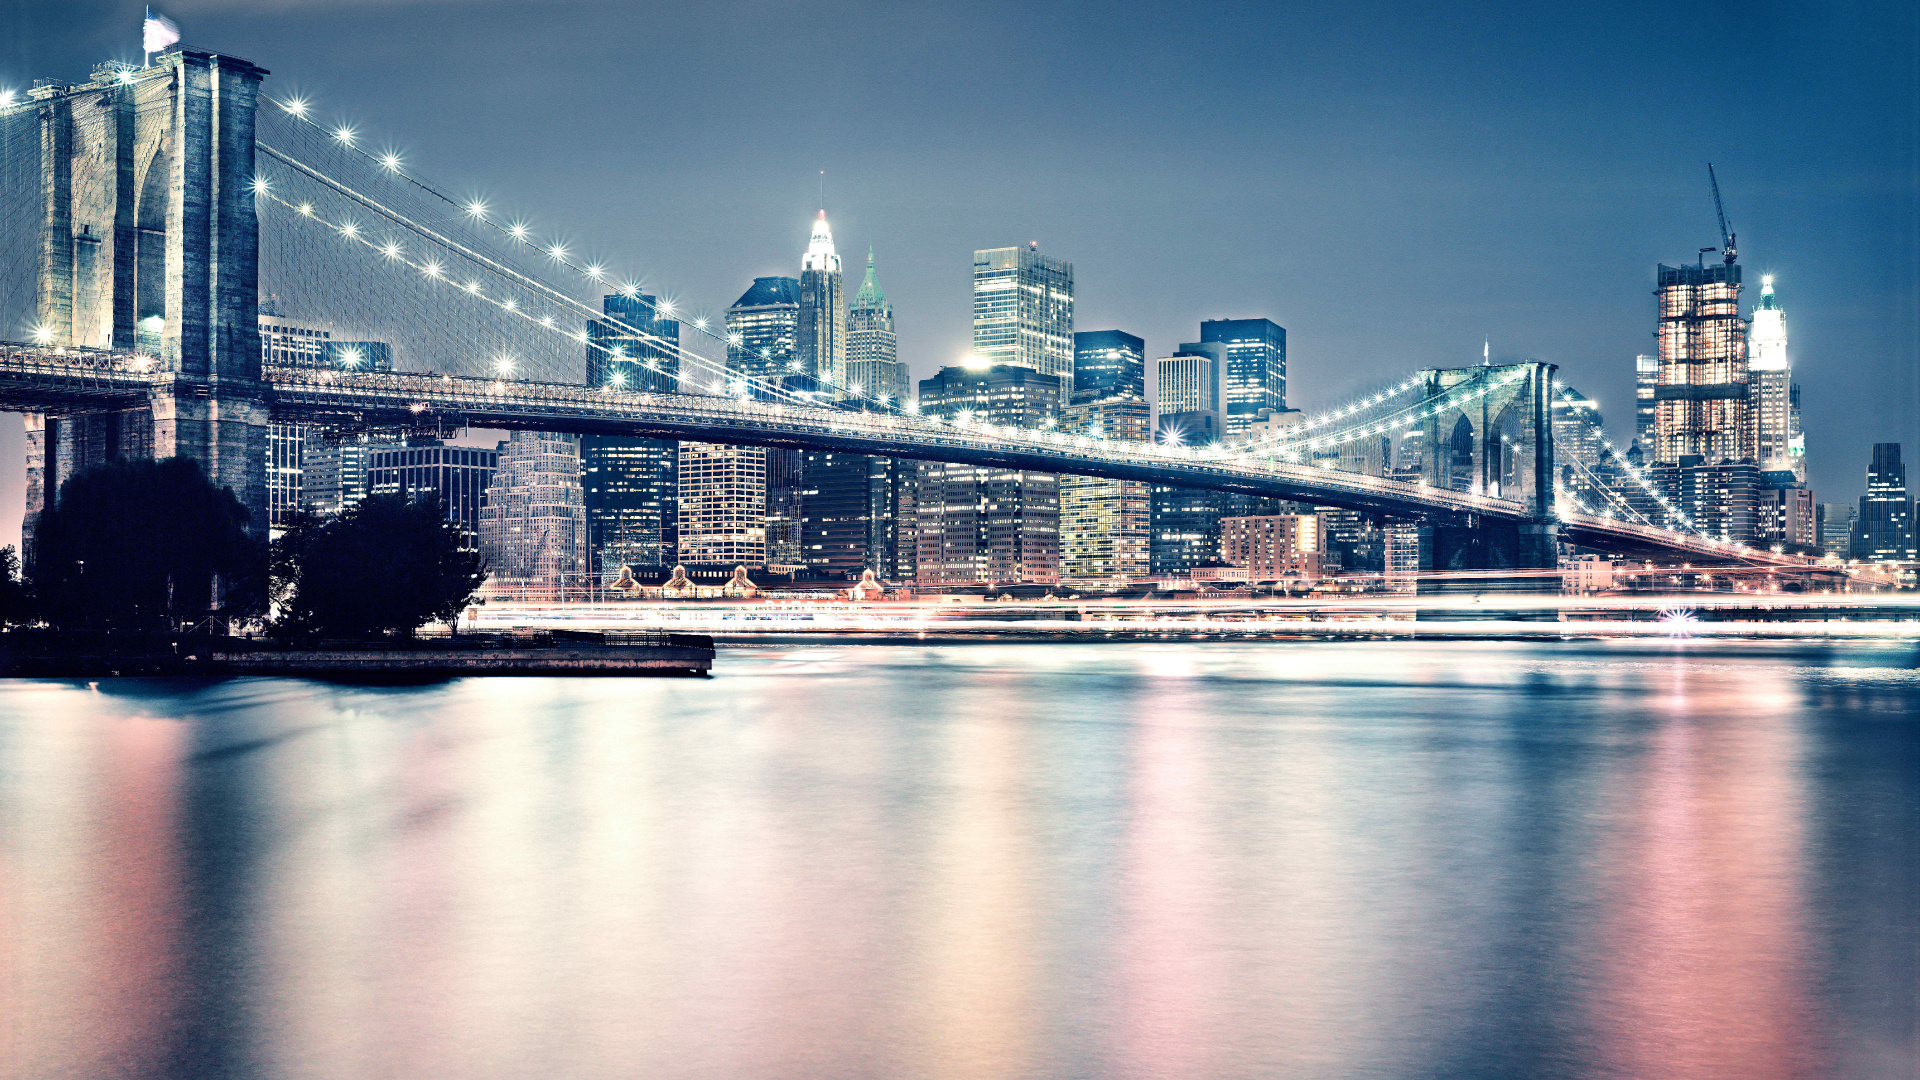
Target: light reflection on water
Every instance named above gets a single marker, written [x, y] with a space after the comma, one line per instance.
[1107, 860]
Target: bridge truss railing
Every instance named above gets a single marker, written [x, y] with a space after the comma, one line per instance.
[313, 391]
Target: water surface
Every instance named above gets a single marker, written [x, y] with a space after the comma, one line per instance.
[1153, 860]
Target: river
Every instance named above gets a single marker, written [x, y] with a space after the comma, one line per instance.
[1164, 859]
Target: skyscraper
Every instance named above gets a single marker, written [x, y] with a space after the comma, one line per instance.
[762, 328]
[988, 524]
[821, 344]
[1106, 526]
[1255, 368]
[836, 512]
[1186, 394]
[873, 361]
[1108, 364]
[1023, 310]
[1702, 405]
[533, 528]
[1884, 530]
[1577, 432]
[1776, 442]
[630, 485]
[457, 475]
[1646, 381]
[723, 505]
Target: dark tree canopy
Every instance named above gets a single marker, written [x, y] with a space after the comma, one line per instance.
[13, 591]
[386, 566]
[145, 545]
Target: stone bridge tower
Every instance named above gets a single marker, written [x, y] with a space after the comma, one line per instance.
[1499, 444]
[150, 242]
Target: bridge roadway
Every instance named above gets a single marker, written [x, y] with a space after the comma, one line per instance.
[42, 379]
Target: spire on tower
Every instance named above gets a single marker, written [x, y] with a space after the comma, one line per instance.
[870, 294]
[820, 254]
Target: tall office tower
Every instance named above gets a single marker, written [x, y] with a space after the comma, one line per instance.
[634, 347]
[1701, 402]
[1023, 310]
[1577, 433]
[1255, 370]
[1784, 512]
[762, 329]
[1106, 526]
[836, 508]
[457, 475]
[890, 517]
[873, 362]
[1884, 530]
[533, 527]
[1108, 364]
[988, 524]
[1771, 376]
[629, 484]
[821, 343]
[1185, 524]
[723, 505]
[1835, 527]
[287, 343]
[336, 468]
[1722, 499]
[1186, 396]
[1646, 381]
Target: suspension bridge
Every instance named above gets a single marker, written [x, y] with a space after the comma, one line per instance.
[146, 211]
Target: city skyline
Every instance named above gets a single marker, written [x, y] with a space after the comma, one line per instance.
[1156, 260]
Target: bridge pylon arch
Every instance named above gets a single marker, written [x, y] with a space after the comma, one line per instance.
[150, 241]
[1506, 413]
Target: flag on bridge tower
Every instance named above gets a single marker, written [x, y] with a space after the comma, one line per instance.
[157, 33]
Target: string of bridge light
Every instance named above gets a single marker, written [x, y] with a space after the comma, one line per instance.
[1579, 405]
[519, 233]
[523, 280]
[1404, 419]
[436, 271]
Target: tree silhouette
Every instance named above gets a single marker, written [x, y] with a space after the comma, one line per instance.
[146, 545]
[387, 566]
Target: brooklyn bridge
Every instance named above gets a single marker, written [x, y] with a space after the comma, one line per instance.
[149, 209]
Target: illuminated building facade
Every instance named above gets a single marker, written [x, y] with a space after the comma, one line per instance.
[873, 360]
[631, 485]
[296, 343]
[533, 526]
[1884, 530]
[1023, 310]
[1108, 364]
[457, 475]
[987, 524]
[1702, 404]
[1778, 443]
[821, 341]
[1646, 380]
[1784, 512]
[1106, 526]
[723, 505]
[762, 328]
[1254, 352]
[1274, 546]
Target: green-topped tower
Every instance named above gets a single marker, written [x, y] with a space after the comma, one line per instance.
[873, 364]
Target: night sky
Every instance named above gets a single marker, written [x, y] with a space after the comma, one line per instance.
[1390, 183]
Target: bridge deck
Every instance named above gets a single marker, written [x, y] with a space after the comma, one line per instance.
[43, 379]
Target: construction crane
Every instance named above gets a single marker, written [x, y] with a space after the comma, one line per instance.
[1726, 234]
